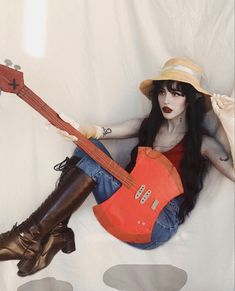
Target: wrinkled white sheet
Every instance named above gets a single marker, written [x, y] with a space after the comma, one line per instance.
[88, 61]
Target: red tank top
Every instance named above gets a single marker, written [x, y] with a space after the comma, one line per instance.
[175, 155]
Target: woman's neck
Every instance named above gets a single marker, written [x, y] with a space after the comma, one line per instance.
[177, 124]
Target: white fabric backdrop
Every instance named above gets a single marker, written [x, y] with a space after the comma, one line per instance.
[86, 58]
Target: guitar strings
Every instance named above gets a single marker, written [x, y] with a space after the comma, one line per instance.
[36, 102]
[30, 97]
[41, 107]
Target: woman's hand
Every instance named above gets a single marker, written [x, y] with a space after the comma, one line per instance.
[89, 131]
[223, 107]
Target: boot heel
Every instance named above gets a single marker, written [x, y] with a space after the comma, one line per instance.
[69, 247]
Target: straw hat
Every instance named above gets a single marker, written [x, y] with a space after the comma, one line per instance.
[178, 69]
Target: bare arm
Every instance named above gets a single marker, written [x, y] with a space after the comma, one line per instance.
[223, 107]
[215, 152]
[125, 129]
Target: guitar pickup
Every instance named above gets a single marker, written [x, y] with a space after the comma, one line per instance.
[145, 197]
[140, 191]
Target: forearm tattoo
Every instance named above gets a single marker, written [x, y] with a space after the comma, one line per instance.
[106, 131]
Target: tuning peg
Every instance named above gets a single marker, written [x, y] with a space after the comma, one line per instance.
[17, 67]
[8, 62]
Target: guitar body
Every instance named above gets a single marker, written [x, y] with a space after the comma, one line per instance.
[130, 214]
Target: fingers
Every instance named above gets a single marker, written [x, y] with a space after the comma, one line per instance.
[67, 136]
[215, 105]
[224, 99]
[69, 120]
[88, 130]
[222, 102]
[216, 100]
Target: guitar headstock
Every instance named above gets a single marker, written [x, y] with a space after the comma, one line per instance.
[11, 80]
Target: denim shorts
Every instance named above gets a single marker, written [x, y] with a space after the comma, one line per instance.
[167, 223]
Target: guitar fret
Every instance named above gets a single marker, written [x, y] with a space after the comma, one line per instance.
[95, 153]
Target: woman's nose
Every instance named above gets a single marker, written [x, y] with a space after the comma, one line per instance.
[167, 97]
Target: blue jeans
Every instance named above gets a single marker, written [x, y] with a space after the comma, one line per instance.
[167, 223]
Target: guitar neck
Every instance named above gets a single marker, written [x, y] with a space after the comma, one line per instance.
[95, 153]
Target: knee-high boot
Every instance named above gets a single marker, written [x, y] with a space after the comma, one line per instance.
[23, 241]
[59, 238]
[61, 233]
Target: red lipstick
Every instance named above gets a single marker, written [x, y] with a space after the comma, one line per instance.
[166, 109]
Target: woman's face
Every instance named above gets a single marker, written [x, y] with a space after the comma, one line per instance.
[172, 103]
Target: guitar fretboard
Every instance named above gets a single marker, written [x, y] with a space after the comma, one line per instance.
[95, 153]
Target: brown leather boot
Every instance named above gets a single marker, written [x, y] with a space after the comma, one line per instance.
[65, 167]
[17, 243]
[60, 238]
[23, 241]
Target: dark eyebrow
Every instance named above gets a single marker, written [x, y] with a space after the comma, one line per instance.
[175, 90]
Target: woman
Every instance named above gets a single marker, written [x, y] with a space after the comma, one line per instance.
[173, 127]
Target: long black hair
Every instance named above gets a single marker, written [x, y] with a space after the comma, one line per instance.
[193, 165]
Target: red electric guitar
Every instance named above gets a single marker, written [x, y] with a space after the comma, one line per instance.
[131, 212]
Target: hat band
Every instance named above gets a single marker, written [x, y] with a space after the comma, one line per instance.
[183, 69]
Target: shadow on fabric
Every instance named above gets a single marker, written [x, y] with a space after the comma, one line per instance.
[145, 277]
[46, 284]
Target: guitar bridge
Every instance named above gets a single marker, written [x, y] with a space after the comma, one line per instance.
[155, 204]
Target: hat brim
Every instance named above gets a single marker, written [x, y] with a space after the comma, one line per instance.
[147, 85]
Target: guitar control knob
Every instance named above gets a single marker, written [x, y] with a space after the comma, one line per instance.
[17, 67]
[8, 62]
